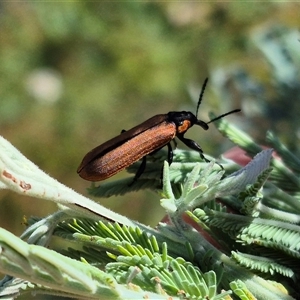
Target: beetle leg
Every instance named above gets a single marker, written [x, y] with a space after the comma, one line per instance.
[175, 143]
[193, 145]
[142, 167]
[170, 153]
[140, 171]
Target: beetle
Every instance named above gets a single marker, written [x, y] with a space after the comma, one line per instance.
[130, 146]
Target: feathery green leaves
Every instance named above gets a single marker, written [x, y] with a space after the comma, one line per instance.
[192, 257]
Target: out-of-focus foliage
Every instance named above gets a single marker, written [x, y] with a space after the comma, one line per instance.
[72, 75]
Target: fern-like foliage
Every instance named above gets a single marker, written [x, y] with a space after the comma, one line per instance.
[262, 264]
[283, 184]
[233, 233]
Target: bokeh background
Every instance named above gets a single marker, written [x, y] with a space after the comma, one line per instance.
[74, 74]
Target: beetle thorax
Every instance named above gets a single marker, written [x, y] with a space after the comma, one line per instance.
[183, 120]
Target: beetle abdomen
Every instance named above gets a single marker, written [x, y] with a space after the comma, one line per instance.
[129, 152]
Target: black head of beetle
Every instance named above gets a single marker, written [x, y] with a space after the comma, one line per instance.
[184, 120]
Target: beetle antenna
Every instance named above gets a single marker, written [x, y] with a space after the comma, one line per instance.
[221, 116]
[201, 95]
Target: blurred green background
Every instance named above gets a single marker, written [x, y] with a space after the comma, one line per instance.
[75, 74]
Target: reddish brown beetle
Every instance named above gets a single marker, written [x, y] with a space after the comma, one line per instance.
[130, 146]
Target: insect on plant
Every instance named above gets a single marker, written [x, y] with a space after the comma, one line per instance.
[130, 146]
